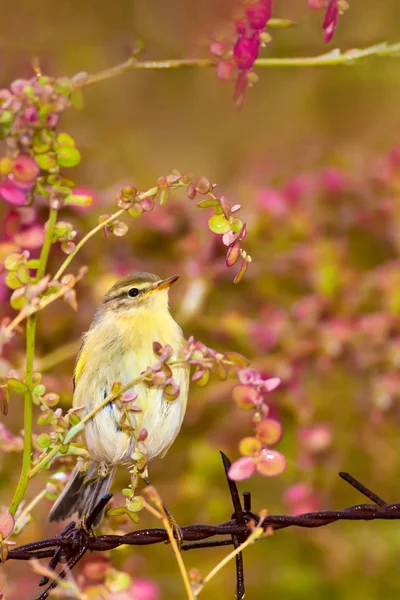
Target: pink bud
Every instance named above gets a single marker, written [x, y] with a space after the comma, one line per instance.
[331, 20]
[258, 15]
[246, 51]
[241, 469]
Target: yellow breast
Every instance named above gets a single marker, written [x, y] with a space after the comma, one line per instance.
[119, 349]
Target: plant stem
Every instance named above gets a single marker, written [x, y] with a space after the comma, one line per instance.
[44, 255]
[252, 538]
[162, 515]
[335, 57]
[99, 227]
[30, 355]
[44, 461]
[85, 239]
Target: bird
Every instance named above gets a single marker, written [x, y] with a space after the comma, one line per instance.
[132, 316]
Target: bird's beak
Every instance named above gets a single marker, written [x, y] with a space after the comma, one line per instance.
[166, 283]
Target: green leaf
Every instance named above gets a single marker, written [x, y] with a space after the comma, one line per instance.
[33, 263]
[23, 274]
[218, 224]
[68, 156]
[116, 512]
[46, 161]
[13, 260]
[74, 431]
[12, 281]
[208, 203]
[136, 504]
[77, 100]
[64, 139]
[74, 419]
[236, 225]
[18, 299]
[43, 440]
[16, 385]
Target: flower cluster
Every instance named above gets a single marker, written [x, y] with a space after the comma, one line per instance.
[29, 112]
[238, 60]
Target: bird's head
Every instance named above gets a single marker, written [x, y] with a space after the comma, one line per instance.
[139, 291]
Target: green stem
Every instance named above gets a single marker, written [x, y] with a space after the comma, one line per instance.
[335, 57]
[26, 457]
[30, 355]
[44, 256]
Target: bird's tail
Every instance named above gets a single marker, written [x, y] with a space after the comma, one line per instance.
[82, 493]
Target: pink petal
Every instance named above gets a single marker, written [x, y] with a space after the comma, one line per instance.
[11, 194]
[241, 469]
[271, 384]
[271, 463]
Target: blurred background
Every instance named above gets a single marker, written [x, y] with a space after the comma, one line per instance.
[314, 159]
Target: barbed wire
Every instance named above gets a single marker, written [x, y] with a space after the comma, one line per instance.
[74, 541]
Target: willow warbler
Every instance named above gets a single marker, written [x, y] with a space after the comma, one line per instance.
[118, 347]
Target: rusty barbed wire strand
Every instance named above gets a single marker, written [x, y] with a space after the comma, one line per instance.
[72, 543]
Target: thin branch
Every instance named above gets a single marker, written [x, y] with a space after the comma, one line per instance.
[148, 194]
[332, 58]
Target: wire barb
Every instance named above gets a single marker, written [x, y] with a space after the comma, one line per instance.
[238, 516]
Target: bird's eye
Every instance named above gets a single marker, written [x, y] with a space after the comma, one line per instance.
[133, 292]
